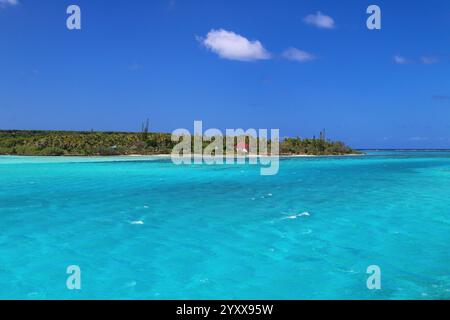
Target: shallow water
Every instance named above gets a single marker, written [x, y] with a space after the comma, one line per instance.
[147, 229]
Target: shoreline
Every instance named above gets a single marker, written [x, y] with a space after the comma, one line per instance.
[136, 156]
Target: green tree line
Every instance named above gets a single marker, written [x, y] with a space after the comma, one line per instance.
[59, 143]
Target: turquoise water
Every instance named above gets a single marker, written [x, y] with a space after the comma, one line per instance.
[147, 229]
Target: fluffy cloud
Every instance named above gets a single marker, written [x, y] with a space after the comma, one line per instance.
[6, 3]
[232, 46]
[425, 60]
[320, 20]
[298, 55]
[400, 60]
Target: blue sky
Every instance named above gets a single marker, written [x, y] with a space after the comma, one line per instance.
[231, 64]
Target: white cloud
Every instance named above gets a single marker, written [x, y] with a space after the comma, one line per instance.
[400, 60]
[320, 20]
[7, 3]
[232, 46]
[298, 55]
[429, 60]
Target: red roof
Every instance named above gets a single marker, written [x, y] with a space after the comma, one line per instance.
[242, 145]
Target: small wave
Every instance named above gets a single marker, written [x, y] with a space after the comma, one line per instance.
[138, 222]
[295, 216]
[130, 284]
[347, 270]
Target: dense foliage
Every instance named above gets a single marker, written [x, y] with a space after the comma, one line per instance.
[58, 143]
[293, 146]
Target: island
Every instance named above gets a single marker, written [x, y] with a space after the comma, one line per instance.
[92, 143]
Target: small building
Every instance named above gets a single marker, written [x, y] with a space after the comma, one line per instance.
[242, 147]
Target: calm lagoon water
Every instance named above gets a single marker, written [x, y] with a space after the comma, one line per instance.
[148, 229]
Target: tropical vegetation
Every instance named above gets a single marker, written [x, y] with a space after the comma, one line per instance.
[76, 143]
